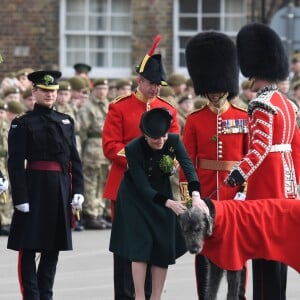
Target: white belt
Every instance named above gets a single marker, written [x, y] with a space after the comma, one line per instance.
[281, 148]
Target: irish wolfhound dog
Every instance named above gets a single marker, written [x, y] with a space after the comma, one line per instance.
[195, 226]
[237, 231]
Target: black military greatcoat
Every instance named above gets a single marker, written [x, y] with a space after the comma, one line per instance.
[43, 135]
[143, 228]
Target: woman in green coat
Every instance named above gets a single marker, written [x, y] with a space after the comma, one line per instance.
[145, 228]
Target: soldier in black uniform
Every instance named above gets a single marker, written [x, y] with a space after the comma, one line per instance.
[47, 191]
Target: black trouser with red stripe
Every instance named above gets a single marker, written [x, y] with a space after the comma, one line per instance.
[36, 283]
[269, 280]
[201, 270]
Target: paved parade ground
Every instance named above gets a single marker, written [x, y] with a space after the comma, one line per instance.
[86, 273]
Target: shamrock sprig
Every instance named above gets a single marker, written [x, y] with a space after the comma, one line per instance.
[214, 138]
[167, 164]
[48, 79]
[189, 203]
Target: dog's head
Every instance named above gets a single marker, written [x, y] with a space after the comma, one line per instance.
[195, 225]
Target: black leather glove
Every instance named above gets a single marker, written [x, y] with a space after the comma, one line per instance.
[235, 179]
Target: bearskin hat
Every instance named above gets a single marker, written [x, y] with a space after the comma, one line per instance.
[212, 63]
[261, 53]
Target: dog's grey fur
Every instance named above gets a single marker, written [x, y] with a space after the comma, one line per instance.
[195, 225]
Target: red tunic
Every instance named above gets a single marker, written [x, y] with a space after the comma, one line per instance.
[214, 138]
[120, 127]
[267, 229]
[272, 125]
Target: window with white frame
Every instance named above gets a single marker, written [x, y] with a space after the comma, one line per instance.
[194, 16]
[98, 33]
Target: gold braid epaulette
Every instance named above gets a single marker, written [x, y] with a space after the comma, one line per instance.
[120, 98]
[239, 107]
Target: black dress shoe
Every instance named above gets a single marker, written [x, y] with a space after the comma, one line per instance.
[4, 230]
[78, 226]
[105, 221]
[108, 224]
[107, 218]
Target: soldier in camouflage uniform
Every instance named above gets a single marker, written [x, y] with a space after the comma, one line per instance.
[295, 68]
[123, 87]
[28, 100]
[79, 95]
[63, 99]
[245, 96]
[5, 198]
[63, 105]
[178, 83]
[95, 165]
[296, 99]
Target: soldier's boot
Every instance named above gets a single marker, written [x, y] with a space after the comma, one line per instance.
[92, 222]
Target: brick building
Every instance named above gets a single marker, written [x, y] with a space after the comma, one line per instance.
[113, 35]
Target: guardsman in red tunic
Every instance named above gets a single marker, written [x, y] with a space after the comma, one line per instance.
[272, 164]
[215, 136]
[120, 127]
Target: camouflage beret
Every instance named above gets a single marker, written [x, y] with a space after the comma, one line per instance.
[134, 83]
[77, 83]
[27, 93]
[296, 57]
[166, 91]
[64, 85]
[296, 85]
[3, 105]
[100, 81]
[11, 90]
[176, 79]
[122, 82]
[189, 82]
[184, 98]
[15, 107]
[24, 71]
[112, 84]
[246, 84]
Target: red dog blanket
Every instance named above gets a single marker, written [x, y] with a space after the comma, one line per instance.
[265, 228]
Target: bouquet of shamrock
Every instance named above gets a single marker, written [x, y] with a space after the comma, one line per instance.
[167, 164]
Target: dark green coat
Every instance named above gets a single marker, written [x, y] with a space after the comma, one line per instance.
[143, 228]
[43, 135]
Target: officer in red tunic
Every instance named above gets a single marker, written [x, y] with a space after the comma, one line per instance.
[272, 164]
[120, 127]
[215, 136]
